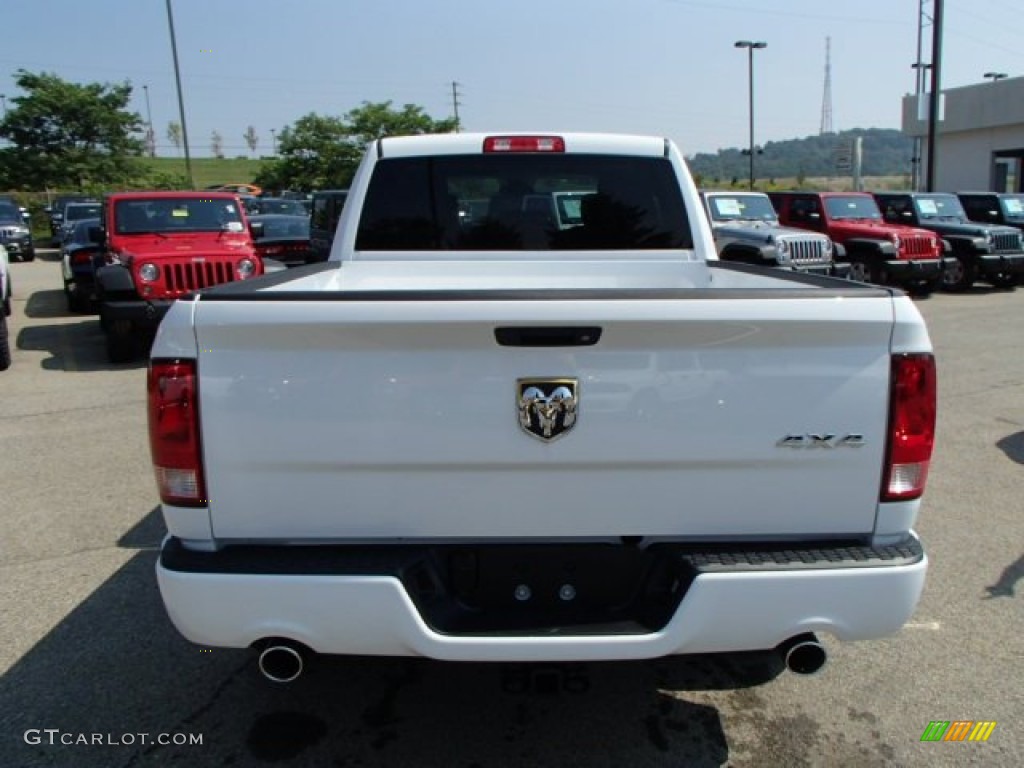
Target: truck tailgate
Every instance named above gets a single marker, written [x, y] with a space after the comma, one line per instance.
[396, 415]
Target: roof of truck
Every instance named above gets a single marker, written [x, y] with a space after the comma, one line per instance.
[473, 143]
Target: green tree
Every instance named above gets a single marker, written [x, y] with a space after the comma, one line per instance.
[323, 151]
[375, 121]
[174, 134]
[217, 145]
[69, 136]
[314, 153]
[251, 138]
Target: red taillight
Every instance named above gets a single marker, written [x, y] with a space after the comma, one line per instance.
[174, 432]
[911, 426]
[524, 144]
[270, 250]
[80, 258]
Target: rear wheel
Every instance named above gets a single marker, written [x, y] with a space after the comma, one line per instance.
[924, 288]
[1005, 280]
[5, 346]
[863, 272]
[78, 301]
[120, 341]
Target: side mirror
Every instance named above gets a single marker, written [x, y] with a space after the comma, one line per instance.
[256, 228]
[96, 235]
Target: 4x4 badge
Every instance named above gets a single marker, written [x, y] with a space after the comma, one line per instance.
[547, 407]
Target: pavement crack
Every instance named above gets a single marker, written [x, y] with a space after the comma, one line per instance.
[194, 715]
[65, 555]
[57, 411]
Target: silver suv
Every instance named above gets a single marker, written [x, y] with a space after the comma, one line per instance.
[746, 229]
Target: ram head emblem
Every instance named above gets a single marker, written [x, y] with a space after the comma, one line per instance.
[547, 407]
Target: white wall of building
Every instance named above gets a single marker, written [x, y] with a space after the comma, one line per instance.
[977, 124]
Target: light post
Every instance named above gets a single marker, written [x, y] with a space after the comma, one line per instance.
[150, 136]
[993, 76]
[273, 142]
[921, 79]
[181, 100]
[3, 98]
[751, 45]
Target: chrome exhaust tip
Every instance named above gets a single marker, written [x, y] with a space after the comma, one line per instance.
[803, 654]
[281, 662]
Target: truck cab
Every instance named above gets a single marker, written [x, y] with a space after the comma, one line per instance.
[878, 251]
[160, 246]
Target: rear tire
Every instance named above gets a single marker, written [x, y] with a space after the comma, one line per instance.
[925, 288]
[863, 272]
[120, 341]
[78, 302]
[1005, 280]
[5, 346]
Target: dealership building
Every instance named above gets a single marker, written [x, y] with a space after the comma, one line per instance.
[979, 140]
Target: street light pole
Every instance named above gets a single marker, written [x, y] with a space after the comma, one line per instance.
[150, 136]
[933, 101]
[273, 142]
[181, 100]
[751, 45]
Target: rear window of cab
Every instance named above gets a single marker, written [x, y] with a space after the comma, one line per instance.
[523, 202]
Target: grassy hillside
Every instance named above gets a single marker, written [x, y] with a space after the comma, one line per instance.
[209, 170]
[886, 152]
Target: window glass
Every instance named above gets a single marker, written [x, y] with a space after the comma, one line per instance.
[741, 207]
[1014, 206]
[852, 207]
[940, 206]
[517, 202]
[75, 212]
[176, 215]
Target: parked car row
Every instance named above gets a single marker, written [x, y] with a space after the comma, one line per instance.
[139, 251]
[129, 256]
[918, 241]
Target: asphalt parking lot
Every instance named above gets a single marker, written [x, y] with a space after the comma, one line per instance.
[86, 649]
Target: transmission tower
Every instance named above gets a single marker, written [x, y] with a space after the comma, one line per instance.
[826, 98]
[456, 103]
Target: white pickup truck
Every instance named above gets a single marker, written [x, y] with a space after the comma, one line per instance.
[508, 437]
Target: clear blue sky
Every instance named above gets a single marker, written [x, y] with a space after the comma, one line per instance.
[666, 67]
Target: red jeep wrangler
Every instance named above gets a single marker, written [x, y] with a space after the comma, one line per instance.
[878, 252]
[159, 246]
